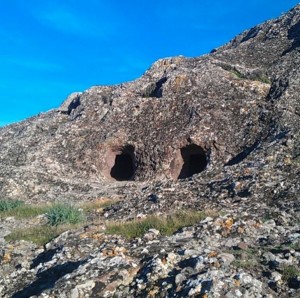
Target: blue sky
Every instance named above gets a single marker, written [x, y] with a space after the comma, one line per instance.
[49, 49]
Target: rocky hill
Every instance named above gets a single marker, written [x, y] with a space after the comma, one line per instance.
[218, 132]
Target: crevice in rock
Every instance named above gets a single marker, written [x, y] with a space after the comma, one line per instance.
[194, 161]
[157, 92]
[124, 166]
[278, 87]
[242, 155]
[72, 103]
[155, 89]
[294, 34]
[251, 34]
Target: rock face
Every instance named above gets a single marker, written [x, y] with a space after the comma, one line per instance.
[220, 132]
[182, 117]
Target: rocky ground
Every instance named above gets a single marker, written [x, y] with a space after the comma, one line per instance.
[235, 252]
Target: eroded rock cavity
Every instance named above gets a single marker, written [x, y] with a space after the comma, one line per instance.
[194, 161]
[124, 166]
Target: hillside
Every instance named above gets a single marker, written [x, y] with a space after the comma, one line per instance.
[218, 133]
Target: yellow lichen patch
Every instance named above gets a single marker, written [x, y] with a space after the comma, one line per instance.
[115, 251]
[237, 283]
[94, 235]
[212, 254]
[6, 258]
[84, 235]
[256, 225]
[153, 292]
[97, 236]
[228, 223]
[109, 252]
[99, 210]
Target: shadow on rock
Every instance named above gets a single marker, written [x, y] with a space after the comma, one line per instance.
[45, 257]
[47, 279]
[293, 34]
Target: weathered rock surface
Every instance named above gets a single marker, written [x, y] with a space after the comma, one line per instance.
[238, 254]
[219, 132]
[220, 108]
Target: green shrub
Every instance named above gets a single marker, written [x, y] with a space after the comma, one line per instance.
[6, 205]
[289, 271]
[166, 225]
[63, 213]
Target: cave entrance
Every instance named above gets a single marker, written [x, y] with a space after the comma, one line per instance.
[124, 167]
[194, 161]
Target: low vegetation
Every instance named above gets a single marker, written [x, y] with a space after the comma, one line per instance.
[260, 77]
[264, 79]
[98, 205]
[39, 235]
[60, 217]
[166, 225]
[246, 264]
[25, 211]
[64, 214]
[6, 205]
[289, 272]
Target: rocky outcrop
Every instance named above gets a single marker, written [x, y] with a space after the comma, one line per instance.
[200, 105]
[184, 116]
[219, 132]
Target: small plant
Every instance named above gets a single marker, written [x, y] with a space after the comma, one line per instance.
[267, 216]
[6, 205]
[166, 225]
[246, 264]
[238, 74]
[289, 272]
[265, 80]
[62, 213]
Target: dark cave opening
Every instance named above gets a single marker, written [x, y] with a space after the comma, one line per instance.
[124, 167]
[194, 161]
